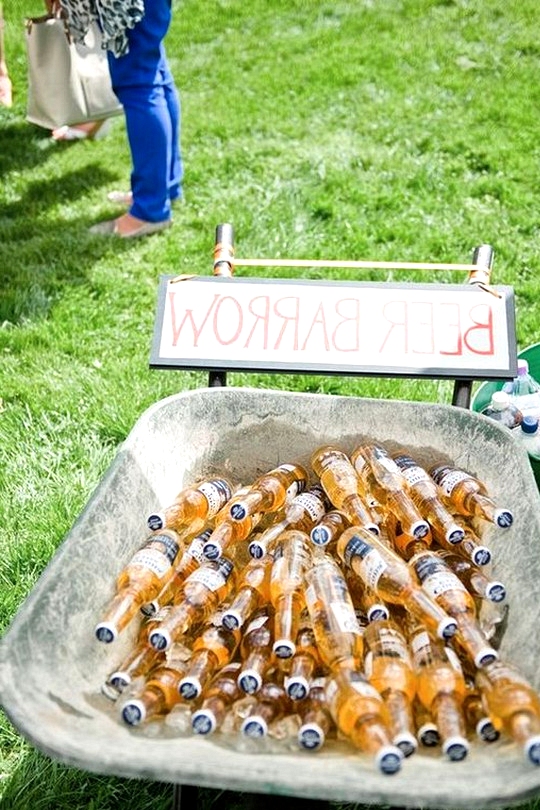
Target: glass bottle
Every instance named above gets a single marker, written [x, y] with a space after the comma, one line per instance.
[326, 532]
[524, 390]
[333, 618]
[502, 410]
[316, 722]
[513, 705]
[158, 695]
[390, 488]
[304, 663]
[440, 688]
[476, 718]
[219, 696]
[468, 495]
[427, 497]
[198, 598]
[388, 667]
[195, 504]
[392, 578]
[292, 558]
[271, 704]
[358, 712]
[427, 732]
[448, 591]
[256, 650]
[141, 580]
[270, 491]
[228, 533]
[341, 483]
[212, 649]
[476, 582]
[252, 591]
[366, 601]
[471, 548]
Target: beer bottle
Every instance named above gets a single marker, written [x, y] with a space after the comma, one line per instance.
[188, 562]
[390, 488]
[221, 693]
[476, 582]
[158, 695]
[270, 491]
[448, 591]
[252, 591]
[427, 497]
[199, 596]
[302, 513]
[316, 721]
[271, 704]
[212, 649]
[476, 718]
[304, 663]
[427, 732]
[388, 667]
[326, 532]
[358, 712]
[341, 483]
[440, 686]
[468, 495]
[195, 505]
[228, 533]
[392, 578]
[291, 559]
[141, 580]
[513, 705]
[256, 650]
[366, 601]
[332, 615]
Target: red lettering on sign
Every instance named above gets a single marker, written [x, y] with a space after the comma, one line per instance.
[346, 335]
[455, 325]
[424, 326]
[259, 317]
[319, 319]
[395, 312]
[289, 319]
[188, 319]
[482, 330]
[228, 319]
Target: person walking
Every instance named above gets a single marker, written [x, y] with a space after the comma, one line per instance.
[6, 99]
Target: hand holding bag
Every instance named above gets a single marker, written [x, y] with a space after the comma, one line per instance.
[68, 82]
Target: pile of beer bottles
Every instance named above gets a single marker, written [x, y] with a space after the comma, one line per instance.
[350, 597]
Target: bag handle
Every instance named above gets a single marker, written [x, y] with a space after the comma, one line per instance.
[59, 14]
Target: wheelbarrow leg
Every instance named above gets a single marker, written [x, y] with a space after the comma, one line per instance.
[185, 797]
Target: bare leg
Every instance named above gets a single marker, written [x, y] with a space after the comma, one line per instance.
[5, 82]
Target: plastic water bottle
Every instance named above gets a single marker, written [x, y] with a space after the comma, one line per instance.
[529, 436]
[503, 410]
[524, 390]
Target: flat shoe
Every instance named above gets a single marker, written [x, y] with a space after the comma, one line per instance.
[98, 131]
[109, 228]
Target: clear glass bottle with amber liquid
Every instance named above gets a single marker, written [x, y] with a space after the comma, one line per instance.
[303, 512]
[158, 695]
[427, 497]
[193, 506]
[198, 598]
[141, 580]
[340, 481]
[212, 649]
[270, 491]
[252, 591]
[358, 712]
[447, 590]
[228, 533]
[256, 650]
[325, 533]
[427, 732]
[219, 696]
[440, 687]
[272, 703]
[388, 667]
[292, 557]
[392, 578]
[468, 495]
[390, 488]
[513, 705]
[477, 719]
[368, 604]
[316, 722]
[333, 618]
[305, 662]
[477, 583]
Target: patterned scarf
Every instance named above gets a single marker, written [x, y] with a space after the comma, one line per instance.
[114, 17]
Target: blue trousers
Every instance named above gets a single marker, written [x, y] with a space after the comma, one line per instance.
[143, 82]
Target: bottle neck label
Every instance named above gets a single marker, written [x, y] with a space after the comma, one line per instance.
[371, 565]
[311, 504]
[436, 578]
[449, 479]
[217, 493]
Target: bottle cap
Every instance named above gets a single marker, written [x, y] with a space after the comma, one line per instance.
[495, 591]
[373, 528]
[212, 550]
[529, 424]
[133, 712]
[256, 549]
[447, 627]
[254, 726]
[238, 511]
[311, 737]
[377, 612]
[156, 521]
[284, 648]
[406, 742]
[203, 721]
[388, 759]
[231, 620]
[500, 400]
[160, 639]
[110, 691]
[532, 749]
[481, 555]
[190, 688]
[249, 681]
[485, 656]
[419, 529]
[522, 367]
[297, 687]
[504, 518]
[454, 534]
[456, 748]
[106, 632]
[119, 680]
[428, 734]
[486, 731]
[320, 535]
[150, 608]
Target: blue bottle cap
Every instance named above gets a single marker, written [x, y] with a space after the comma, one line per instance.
[529, 424]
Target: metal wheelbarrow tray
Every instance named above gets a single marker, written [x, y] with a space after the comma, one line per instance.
[52, 668]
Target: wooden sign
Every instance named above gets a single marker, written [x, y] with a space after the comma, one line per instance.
[335, 327]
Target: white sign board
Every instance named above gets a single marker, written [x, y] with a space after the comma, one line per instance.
[374, 329]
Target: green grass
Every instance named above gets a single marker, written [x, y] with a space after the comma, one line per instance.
[389, 130]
